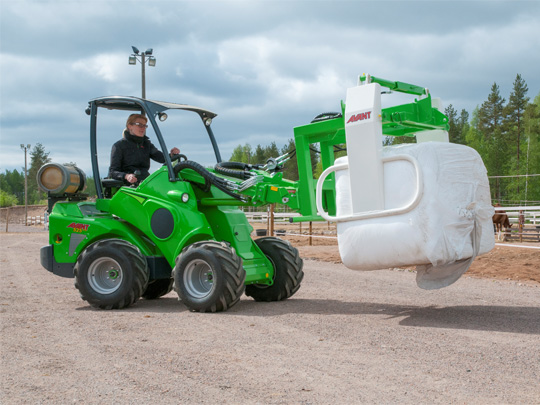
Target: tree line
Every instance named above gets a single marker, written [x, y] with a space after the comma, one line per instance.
[506, 134]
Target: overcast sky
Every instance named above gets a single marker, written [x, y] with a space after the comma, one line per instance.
[263, 66]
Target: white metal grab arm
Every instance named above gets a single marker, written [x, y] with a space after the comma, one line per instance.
[371, 214]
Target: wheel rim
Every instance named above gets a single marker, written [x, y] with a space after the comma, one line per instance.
[105, 275]
[198, 278]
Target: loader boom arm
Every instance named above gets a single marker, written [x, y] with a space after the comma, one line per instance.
[268, 186]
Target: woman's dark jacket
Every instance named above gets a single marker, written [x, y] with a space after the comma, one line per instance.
[133, 153]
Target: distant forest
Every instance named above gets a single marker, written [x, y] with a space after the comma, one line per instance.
[506, 133]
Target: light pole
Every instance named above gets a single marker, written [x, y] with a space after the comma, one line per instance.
[142, 57]
[25, 148]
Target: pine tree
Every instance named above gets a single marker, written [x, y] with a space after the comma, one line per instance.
[291, 166]
[487, 135]
[517, 103]
[38, 157]
[453, 131]
[463, 126]
[259, 157]
[490, 114]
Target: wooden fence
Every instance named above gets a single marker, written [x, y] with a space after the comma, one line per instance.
[525, 221]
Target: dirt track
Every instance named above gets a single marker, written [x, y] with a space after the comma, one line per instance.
[345, 337]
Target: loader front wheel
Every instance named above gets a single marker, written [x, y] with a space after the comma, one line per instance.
[288, 273]
[209, 277]
[111, 274]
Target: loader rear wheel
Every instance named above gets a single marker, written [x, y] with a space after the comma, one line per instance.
[111, 274]
[288, 273]
[209, 277]
[158, 288]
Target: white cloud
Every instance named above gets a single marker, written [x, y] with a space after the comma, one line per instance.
[102, 66]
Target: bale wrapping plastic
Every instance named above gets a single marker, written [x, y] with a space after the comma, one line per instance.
[449, 226]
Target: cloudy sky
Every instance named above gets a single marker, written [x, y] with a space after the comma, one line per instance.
[263, 66]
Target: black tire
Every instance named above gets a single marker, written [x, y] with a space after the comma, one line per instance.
[209, 277]
[111, 274]
[158, 288]
[288, 273]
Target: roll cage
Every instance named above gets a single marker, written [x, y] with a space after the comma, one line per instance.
[151, 109]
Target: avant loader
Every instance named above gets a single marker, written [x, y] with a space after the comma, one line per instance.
[183, 227]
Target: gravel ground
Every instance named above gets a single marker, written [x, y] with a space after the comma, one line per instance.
[345, 337]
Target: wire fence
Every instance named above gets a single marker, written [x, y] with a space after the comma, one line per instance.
[515, 190]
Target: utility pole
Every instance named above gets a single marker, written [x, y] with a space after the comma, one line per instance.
[25, 148]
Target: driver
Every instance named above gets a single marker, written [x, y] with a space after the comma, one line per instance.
[133, 152]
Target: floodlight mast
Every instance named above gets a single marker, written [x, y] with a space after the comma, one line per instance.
[142, 58]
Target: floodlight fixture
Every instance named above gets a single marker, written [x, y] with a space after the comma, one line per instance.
[142, 57]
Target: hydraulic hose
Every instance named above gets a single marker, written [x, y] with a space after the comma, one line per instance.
[209, 178]
[234, 169]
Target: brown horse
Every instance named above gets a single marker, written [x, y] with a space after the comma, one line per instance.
[500, 222]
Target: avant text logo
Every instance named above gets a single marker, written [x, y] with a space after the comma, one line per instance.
[360, 117]
[78, 227]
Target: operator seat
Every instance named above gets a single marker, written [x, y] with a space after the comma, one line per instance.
[110, 186]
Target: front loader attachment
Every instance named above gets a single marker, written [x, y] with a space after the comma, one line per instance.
[425, 204]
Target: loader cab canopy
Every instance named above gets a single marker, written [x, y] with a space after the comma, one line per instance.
[154, 111]
[128, 103]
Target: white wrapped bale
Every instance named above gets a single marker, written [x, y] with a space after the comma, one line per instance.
[450, 224]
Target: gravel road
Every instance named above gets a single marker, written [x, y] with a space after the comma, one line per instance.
[346, 337]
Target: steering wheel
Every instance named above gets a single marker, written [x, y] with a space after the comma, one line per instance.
[178, 157]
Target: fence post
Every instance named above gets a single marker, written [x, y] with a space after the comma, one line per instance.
[7, 218]
[521, 221]
[272, 206]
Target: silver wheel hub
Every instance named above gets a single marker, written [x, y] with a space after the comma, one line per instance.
[105, 275]
[198, 278]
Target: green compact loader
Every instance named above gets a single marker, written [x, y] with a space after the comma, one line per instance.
[183, 227]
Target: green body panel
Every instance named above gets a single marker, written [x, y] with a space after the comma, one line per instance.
[128, 215]
[73, 226]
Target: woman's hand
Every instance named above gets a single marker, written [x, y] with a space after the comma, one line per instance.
[131, 178]
[174, 151]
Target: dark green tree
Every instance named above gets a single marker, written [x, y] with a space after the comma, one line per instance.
[38, 157]
[517, 103]
[490, 114]
[259, 157]
[463, 126]
[291, 166]
[272, 151]
[488, 124]
[12, 182]
[453, 132]
[531, 150]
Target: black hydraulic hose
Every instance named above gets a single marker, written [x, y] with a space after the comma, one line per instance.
[235, 165]
[235, 169]
[326, 116]
[209, 178]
